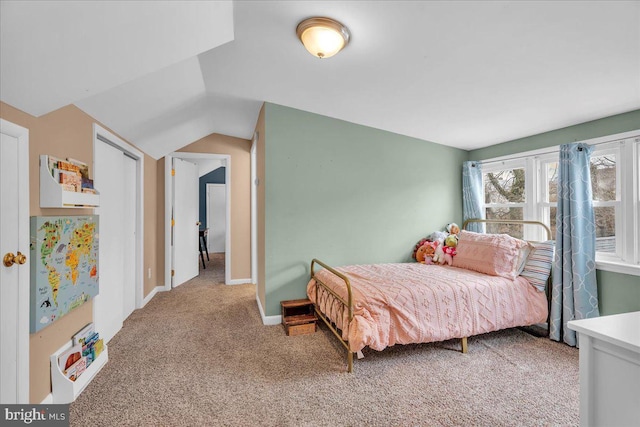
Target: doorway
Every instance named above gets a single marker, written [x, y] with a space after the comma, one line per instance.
[14, 278]
[216, 206]
[171, 219]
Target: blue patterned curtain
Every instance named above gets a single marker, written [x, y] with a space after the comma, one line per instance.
[472, 194]
[574, 294]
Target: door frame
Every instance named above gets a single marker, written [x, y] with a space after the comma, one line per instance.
[254, 209]
[208, 212]
[168, 208]
[22, 350]
[102, 134]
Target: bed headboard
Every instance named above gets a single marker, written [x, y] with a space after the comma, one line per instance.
[508, 221]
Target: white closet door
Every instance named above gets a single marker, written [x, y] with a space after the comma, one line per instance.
[129, 235]
[110, 181]
[185, 213]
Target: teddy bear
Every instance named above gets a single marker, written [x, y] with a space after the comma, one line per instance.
[453, 228]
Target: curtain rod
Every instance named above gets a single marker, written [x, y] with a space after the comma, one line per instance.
[621, 141]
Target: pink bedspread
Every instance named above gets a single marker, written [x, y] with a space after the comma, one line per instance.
[416, 303]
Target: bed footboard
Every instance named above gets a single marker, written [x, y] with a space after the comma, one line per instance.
[345, 306]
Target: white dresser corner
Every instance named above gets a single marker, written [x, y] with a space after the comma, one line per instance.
[609, 369]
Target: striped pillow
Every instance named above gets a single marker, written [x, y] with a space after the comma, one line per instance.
[538, 265]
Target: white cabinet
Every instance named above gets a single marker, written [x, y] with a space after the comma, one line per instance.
[52, 194]
[609, 369]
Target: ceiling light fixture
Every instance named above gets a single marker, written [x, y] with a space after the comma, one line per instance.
[323, 37]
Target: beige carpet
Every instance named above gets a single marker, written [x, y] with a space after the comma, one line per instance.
[200, 356]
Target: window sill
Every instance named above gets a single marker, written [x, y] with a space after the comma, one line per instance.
[618, 267]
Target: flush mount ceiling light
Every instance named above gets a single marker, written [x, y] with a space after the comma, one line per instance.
[323, 37]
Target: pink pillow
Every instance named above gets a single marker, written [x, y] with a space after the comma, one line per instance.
[493, 254]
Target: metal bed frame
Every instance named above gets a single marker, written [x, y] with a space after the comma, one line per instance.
[346, 306]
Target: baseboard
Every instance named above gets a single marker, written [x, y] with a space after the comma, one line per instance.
[267, 320]
[47, 400]
[153, 292]
[238, 282]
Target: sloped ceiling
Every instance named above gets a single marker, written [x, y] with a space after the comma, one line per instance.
[464, 74]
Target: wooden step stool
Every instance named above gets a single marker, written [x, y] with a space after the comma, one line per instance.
[298, 317]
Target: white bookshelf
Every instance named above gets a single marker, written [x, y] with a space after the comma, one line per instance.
[63, 389]
[53, 196]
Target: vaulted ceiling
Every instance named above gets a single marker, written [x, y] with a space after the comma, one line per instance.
[466, 74]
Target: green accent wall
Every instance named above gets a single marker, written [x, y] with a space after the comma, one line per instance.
[617, 293]
[608, 126]
[348, 194]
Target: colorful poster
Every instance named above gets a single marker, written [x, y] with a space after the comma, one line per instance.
[64, 266]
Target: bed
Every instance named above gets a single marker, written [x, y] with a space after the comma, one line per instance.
[380, 305]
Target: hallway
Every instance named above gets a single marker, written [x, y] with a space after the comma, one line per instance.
[214, 273]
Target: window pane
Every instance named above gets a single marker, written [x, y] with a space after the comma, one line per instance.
[505, 213]
[505, 186]
[605, 229]
[552, 221]
[603, 177]
[552, 181]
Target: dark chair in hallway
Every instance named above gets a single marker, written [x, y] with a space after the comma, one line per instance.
[202, 244]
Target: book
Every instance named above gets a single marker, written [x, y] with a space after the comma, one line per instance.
[91, 340]
[87, 183]
[75, 370]
[71, 178]
[83, 168]
[88, 347]
[66, 166]
[97, 348]
[81, 336]
[53, 163]
[67, 358]
[90, 356]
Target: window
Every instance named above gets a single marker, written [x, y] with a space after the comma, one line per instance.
[504, 196]
[524, 186]
[605, 186]
[548, 198]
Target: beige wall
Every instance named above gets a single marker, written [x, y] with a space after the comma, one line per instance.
[67, 132]
[240, 152]
[260, 153]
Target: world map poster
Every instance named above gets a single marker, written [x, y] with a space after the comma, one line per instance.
[64, 266]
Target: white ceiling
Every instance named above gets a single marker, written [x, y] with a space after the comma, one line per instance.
[464, 74]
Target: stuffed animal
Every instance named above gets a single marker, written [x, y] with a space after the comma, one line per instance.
[425, 253]
[449, 253]
[416, 247]
[451, 241]
[438, 236]
[453, 228]
[438, 256]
